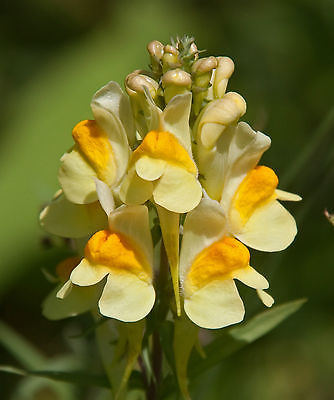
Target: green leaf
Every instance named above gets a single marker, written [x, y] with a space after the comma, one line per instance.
[75, 377]
[24, 352]
[236, 338]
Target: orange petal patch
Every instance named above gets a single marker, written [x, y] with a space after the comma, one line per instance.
[118, 252]
[256, 189]
[94, 145]
[165, 146]
[218, 262]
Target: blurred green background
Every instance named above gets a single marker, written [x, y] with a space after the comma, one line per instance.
[56, 53]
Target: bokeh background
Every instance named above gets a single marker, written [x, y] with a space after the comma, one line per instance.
[54, 55]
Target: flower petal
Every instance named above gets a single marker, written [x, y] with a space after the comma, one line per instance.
[203, 226]
[105, 196]
[266, 299]
[287, 196]
[135, 190]
[149, 168]
[114, 128]
[112, 98]
[66, 219]
[177, 190]
[250, 277]
[270, 228]
[237, 151]
[176, 119]
[133, 222]
[216, 305]
[86, 274]
[126, 298]
[76, 178]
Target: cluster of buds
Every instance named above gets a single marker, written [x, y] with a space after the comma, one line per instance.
[164, 163]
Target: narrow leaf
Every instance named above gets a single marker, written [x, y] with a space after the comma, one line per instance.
[236, 338]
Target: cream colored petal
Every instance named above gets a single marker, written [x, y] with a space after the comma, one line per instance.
[135, 190]
[203, 226]
[237, 151]
[177, 190]
[105, 196]
[287, 196]
[266, 299]
[176, 119]
[216, 305]
[250, 277]
[133, 222]
[66, 219]
[270, 228]
[78, 301]
[112, 98]
[86, 274]
[150, 168]
[65, 290]
[126, 298]
[76, 177]
[152, 112]
[114, 128]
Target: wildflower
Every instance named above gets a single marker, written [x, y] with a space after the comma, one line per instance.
[101, 149]
[210, 260]
[123, 254]
[162, 166]
[247, 192]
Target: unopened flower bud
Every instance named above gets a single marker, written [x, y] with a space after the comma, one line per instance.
[201, 73]
[136, 82]
[175, 82]
[170, 59]
[222, 74]
[156, 51]
[217, 116]
[138, 86]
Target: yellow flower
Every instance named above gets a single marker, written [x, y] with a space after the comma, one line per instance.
[101, 151]
[162, 166]
[247, 193]
[210, 260]
[123, 254]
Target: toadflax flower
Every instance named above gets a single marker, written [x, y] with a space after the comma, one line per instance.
[123, 254]
[247, 192]
[210, 261]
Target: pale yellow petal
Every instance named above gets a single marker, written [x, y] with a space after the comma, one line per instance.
[266, 299]
[86, 274]
[112, 98]
[149, 168]
[114, 128]
[270, 228]
[176, 119]
[216, 305]
[105, 196]
[66, 219]
[203, 226]
[65, 290]
[250, 277]
[287, 196]
[135, 190]
[133, 222]
[76, 178]
[126, 298]
[177, 190]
